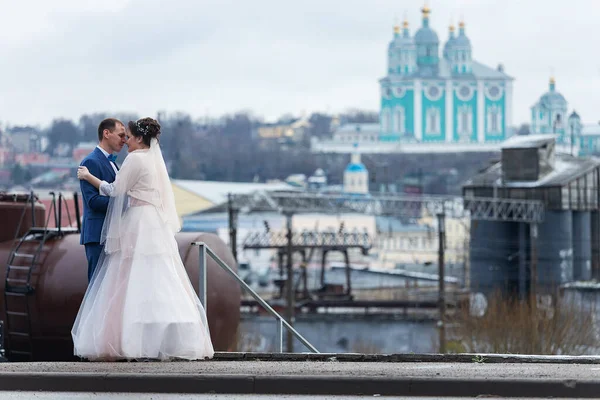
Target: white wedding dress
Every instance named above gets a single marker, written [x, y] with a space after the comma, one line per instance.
[140, 303]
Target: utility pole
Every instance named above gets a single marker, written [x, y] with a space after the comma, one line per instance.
[441, 283]
[232, 214]
[289, 315]
[533, 268]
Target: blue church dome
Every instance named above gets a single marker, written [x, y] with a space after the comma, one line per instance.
[356, 167]
[425, 36]
[552, 98]
[402, 40]
[450, 43]
[462, 40]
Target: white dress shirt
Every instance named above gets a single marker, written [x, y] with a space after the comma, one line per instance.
[106, 154]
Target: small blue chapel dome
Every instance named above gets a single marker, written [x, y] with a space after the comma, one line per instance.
[358, 167]
[450, 43]
[552, 98]
[462, 40]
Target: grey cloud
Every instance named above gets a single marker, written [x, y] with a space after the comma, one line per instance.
[281, 56]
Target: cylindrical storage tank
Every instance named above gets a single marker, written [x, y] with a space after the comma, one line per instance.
[582, 246]
[60, 283]
[12, 208]
[555, 250]
[494, 266]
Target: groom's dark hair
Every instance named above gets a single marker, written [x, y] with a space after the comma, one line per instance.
[108, 123]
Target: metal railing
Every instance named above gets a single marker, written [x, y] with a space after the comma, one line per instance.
[281, 323]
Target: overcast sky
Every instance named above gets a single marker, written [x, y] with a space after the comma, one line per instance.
[64, 58]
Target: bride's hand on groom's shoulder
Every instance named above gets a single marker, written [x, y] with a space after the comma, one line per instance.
[83, 173]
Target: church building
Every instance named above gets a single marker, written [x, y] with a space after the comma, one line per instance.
[441, 95]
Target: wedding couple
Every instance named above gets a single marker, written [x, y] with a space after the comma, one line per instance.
[140, 303]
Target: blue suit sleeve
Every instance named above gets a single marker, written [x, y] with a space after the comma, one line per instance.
[91, 195]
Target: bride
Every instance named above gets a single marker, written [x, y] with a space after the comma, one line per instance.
[140, 303]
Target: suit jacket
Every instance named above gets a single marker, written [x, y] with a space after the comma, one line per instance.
[94, 205]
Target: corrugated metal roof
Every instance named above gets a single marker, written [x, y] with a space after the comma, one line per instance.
[566, 169]
[216, 192]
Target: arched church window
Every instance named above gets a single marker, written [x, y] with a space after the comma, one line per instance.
[494, 118]
[400, 120]
[465, 123]
[385, 126]
[432, 121]
[558, 121]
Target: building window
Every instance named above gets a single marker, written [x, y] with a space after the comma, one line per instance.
[432, 121]
[385, 120]
[494, 119]
[465, 123]
[400, 120]
[433, 93]
[464, 93]
[494, 92]
[558, 121]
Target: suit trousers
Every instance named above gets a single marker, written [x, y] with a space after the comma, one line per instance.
[92, 253]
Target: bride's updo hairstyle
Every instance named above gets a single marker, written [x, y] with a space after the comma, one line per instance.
[148, 128]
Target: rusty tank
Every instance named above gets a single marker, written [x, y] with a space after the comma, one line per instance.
[37, 322]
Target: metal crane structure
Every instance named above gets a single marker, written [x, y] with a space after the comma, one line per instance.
[290, 203]
[309, 240]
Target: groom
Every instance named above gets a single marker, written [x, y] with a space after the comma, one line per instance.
[101, 163]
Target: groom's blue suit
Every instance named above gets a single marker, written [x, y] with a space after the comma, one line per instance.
[94, 207]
